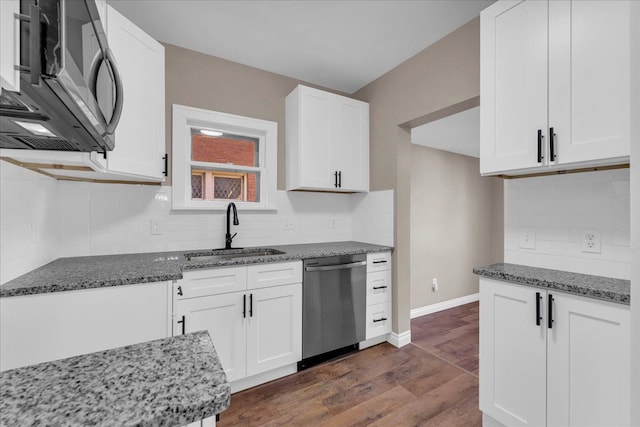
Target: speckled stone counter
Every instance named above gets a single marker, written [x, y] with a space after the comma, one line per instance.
[599, 287]
[68, 274]
[166, 382]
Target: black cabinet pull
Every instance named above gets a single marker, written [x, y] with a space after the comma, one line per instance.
[335, 176]
[250, 305]
[550, 313]
[180, 290]
[540, 146]
[552, 143]
[382, 261]
[244, 306]
[165, 172]
[382, 319]
[340, 179]
[380, 287]
[183, 323]
[538, 317]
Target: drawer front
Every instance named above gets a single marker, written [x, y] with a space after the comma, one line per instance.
[378, 287]
[211, 281]
[378, 320]
[378, 261]
[267, 275]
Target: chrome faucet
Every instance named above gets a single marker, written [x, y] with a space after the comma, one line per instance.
[228, 238]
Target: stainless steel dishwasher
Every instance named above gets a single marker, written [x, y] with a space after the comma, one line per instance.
[333, 306]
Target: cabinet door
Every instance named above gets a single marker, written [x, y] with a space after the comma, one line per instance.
[513, 84]
[140, 134]
[44, 327]
[349, 151]
[588, 363]
[274, 332]
[589, 79]
[9, 45]
[222, 316]
[512, 355]
[315, 134]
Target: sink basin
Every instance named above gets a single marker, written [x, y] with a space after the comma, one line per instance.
[226, 254]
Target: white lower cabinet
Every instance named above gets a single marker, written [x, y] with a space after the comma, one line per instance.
[378, 295]
[548, 358]
[255, 330]
[45, 327]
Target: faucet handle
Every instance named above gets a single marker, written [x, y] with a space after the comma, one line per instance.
[234, 235]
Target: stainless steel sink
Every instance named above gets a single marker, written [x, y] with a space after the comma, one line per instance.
[226, 254]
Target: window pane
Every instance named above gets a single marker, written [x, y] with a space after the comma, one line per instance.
[197, 186]
[214, 184]
[227, 188]
[227, 149]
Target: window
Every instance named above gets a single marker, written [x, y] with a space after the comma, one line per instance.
[219, 157]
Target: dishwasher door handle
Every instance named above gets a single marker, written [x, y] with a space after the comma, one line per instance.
[336, 266]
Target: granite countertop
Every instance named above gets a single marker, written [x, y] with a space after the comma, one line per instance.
[599, 287]
[166, 382]
[68, 274]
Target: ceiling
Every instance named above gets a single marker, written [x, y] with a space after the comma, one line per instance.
[342, 45]
[458, 133]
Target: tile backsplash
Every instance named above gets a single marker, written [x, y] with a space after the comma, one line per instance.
[556, 211]
[65, 219]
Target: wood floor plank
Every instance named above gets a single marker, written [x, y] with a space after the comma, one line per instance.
[432, 381]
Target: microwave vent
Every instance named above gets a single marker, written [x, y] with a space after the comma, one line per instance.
[59, 144]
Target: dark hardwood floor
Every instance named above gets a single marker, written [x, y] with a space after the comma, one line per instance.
[431, 382]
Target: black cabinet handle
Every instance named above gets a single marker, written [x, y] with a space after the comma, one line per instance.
[180, 290]
[538, 317]
[550, 313]
[552, 143]
[379, 287]
[382, 261]
[183, 323]
[340, 179]
[382, 319]
[165, 172]
[335, 182]
[250, 305]
[540, 146]
[244, 306]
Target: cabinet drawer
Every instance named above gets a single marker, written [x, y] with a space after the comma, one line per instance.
[378, 287]
[266, 275]
[378, 320]
[378, 261]
[199, 283]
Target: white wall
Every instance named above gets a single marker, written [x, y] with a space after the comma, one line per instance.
[43, 219]
[28, 220]
[560, 209]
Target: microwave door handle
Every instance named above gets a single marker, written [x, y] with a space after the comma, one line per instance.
[93, 82]
[117, 109]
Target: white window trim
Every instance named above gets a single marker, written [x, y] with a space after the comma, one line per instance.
[185, 118]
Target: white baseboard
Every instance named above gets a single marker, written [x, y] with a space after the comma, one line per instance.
[401, 339]
[434, 308]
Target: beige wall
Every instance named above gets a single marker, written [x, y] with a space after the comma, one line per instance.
[444, 74]
[202, 81]
[456, 224]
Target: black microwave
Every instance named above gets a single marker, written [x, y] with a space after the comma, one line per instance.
[71, 93]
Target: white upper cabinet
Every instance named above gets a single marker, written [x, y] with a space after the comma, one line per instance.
[9, 45]
[140, 135]
[555, 85]
[327, 142]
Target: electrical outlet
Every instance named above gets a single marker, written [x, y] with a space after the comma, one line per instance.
[591, 241]
[434, 284]
[156, 226]
[528, 238]
[332, 222]
[288, 224]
